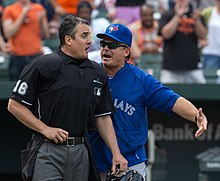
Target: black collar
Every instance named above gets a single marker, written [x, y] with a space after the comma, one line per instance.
[68, 60]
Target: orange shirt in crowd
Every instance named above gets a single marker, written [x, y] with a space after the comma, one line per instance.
[27, 41]
[70, 6]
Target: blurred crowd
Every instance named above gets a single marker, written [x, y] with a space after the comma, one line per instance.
[177, 41]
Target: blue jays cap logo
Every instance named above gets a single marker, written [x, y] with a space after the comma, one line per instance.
[113, 28]
[119, 33]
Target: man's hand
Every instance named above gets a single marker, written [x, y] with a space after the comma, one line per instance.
[201, 123]
[58, 135]
[42, 16]
[196, 15]
[180, 8]
[60, 11]
[26, 9]
[119, 160]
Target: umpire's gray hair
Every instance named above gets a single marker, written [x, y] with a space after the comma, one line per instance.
[68, 27]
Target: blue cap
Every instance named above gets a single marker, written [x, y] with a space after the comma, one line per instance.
[119, 33]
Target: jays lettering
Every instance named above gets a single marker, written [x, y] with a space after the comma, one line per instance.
[124, 106]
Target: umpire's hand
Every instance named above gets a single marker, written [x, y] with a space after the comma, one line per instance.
[58, 135]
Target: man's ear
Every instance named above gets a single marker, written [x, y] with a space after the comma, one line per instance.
[68, 40]
[127, 51]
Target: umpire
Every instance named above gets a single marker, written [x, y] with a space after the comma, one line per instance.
[62, 97]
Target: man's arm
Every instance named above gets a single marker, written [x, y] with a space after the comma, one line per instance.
[199, 27]
[171, 27]
[187, 110]
[57, 8]
[106, 130]
[5, 47]
[25, 116]
[43, 24]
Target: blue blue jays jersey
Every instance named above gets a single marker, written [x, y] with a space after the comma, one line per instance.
[133, 91]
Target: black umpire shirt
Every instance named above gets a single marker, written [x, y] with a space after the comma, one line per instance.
[64, 92]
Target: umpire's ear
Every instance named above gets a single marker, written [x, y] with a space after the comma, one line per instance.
[68, 40]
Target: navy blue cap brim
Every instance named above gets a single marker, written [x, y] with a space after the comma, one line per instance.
[101, 35]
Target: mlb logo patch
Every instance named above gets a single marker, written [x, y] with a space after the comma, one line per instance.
[97, 91]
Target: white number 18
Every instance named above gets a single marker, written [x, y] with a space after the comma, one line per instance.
[20, 87]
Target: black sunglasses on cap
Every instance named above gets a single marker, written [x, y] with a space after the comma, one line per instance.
[111, 45]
